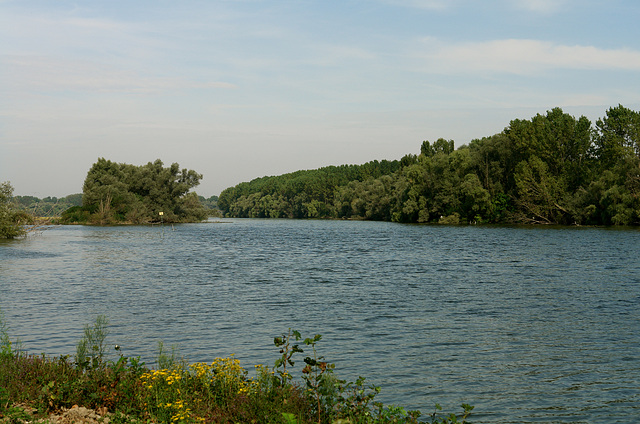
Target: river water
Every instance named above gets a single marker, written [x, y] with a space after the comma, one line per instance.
[526, 324]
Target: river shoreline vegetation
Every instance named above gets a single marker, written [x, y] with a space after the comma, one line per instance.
[125, 390]
[53, 207]
[115, 193]
[550, 169]
[12, 219]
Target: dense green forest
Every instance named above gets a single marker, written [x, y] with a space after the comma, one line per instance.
[210, 204]
[124, 193]
[550, 169]
[301, 194]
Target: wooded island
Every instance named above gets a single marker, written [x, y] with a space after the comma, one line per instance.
[120, 192]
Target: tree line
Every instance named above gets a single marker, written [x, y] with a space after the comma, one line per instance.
[48, 206]
[300, 194]
[550, 169]
[113, 193]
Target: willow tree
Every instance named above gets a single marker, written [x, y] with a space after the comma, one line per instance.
[119, 192]
[12, 220]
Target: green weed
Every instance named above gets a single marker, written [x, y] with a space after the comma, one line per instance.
[91, 347]
[177, 392]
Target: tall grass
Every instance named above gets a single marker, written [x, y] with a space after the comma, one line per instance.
[179, 392]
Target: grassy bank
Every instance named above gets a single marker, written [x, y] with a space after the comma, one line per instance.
[35, 386]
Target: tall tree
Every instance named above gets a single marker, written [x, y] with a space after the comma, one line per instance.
[117, 192]
[617, 136]
[11, 219]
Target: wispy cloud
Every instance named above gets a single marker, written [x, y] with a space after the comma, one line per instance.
[421, 4]
[540, 6]
[332, 54]
[524, 57]
[584, 100]
[91, 24]
[50, 74]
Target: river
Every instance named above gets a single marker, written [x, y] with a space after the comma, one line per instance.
[528, 324]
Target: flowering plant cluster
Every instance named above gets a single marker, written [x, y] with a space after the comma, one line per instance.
[182, 393]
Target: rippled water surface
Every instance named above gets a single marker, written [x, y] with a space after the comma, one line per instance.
[527, 324]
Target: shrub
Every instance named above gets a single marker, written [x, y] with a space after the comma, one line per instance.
[219, 392]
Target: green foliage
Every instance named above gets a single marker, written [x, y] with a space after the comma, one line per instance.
[287, 350]
[321, 384]
[540, 193]
[193, 393]
[12, 220]
[440, 146]
[6, 349]
[91, 348]
[122, 193]
[438, 418]
[289, 418]
[76, 214]
[210, 205]
[49, 206]
[169, 360]
[550, 169]
[617, 137]
[301, 194]
[11, 414]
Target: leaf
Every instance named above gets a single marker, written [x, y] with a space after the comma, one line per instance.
[289, 418]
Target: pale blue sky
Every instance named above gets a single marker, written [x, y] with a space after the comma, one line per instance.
[239, 89]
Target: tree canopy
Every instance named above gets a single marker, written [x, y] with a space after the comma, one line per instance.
[300, 194]
[119, 192]
[551, 169]
[12, 220]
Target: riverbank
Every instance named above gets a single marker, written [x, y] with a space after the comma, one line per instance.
[91, 389]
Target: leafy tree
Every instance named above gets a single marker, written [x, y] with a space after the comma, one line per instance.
[540, 193]
[11, 219]
[300, 194]
[475, 199]
[551, 169]
[118, 192]
[617, 136]
[439, 146]
[613, 198]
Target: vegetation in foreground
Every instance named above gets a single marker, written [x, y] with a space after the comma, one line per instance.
[34, 386]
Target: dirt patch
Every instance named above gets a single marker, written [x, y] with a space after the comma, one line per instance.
[74, 415]
[81, 415]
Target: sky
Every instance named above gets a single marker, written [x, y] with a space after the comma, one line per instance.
[240, 89]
